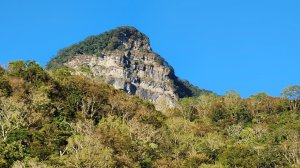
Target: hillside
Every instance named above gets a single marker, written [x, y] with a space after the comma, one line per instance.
[123, 58]
[55, 119]
[59, 118]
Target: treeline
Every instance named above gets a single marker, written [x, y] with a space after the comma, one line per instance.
[55, 119]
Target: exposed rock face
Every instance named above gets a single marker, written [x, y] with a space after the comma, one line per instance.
[129, 71]
[129, 65]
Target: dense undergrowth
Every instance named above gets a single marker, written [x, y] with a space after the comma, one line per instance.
[55, 119]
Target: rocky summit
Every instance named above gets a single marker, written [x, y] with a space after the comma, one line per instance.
[123, 58]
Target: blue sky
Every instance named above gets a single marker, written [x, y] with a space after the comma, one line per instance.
[250, 46]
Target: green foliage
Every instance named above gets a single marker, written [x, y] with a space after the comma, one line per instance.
[56, 119]
[86, 70]
[186, 89]
[2, 71]
[62, 73]
[11, 152]
[115, 134]
[30, 162]
[34, 73]
[154, 118]
[94, 45]
[17, 68]
[293, 94]
[239, 156]
[5, 88]
[29, 71]
[22, 135]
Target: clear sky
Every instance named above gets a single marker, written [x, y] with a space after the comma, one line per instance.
[246, 45]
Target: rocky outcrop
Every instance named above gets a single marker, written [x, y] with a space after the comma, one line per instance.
[128, 63]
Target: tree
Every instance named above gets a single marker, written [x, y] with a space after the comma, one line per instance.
[29, 162]
[239, 155]
[5, 88]
[12, 116]
[205, 103]
[17, 68]
[293, 94]
[35, 73]
[2, 71]
[29, 71]
[87, 151]
[188, 109]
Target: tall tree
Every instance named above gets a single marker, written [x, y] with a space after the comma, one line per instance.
[293, 94]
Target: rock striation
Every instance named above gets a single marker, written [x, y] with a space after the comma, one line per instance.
[123, 58]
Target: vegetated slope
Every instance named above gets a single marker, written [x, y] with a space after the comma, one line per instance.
[50, 117]
[55, 119]
[123, 58]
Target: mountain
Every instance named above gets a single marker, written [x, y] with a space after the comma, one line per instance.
[123, 58]
[57, 118]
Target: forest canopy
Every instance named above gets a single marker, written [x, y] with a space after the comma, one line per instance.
[56, 119]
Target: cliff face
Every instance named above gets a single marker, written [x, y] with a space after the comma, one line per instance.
[123, 58]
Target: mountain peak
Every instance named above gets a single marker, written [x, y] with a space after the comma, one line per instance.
[123, 58]
[127, 32]
[123, 34]
[122, 38]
